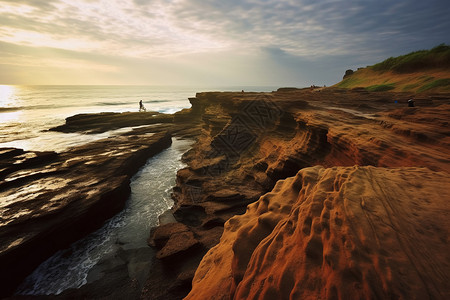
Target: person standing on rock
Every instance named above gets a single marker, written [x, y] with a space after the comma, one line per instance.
[141, 106]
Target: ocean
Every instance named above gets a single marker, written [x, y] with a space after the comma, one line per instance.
[26, 114]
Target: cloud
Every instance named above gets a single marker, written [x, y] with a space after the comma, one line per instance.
[317, 27]
[40, 4]
[295, 37]
[307, 28]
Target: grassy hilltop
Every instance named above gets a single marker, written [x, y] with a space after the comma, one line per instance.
[420, 71]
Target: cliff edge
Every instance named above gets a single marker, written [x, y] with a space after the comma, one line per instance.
[421, 71]
[351, 188]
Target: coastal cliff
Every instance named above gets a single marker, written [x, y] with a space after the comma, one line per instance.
[421, 71]
[374, 154]
[319, 192]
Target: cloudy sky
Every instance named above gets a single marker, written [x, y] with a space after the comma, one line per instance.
[209, 42]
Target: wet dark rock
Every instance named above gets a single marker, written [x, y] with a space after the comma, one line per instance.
[161, 234]
[214, 222]
[97, 123]
[191, 215]
[179, 244]
[51, 200]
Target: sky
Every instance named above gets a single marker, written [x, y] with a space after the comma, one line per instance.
[209, 42]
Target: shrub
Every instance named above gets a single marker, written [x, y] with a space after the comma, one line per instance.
[438, 57]
[348, 73]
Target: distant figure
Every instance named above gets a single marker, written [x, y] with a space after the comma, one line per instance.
[410, 103]
[242, 91]
[395, 101]
[141, 106]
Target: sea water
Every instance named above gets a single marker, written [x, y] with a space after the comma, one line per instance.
[26, 114]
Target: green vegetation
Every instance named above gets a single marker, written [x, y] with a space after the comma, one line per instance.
[409, 87]
[380, 87]
[445, 82]
[420, 71]
[438, 57]
[426, 78]
[349, 82]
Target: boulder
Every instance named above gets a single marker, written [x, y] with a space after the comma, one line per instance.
[348, 73]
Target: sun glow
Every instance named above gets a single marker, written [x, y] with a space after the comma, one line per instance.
[38, 39]
[8, 105]
[6, 96]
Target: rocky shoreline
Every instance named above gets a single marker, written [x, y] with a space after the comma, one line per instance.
[251, 141]
[247, 144]
[65, 196]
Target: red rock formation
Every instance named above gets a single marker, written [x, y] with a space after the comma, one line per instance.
[336, 233]
[330, 128]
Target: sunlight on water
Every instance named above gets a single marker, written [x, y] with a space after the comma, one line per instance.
[61, 141]
[8, 109]
[150, 197]
[8, 117]
[7, 96]
[26, 115]
[27, 112]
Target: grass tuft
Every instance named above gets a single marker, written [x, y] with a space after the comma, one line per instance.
[410, 87]
[381, 87]
[445, 82]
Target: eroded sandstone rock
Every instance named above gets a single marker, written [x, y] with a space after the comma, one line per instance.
[338, 233]
[246, 146]
[250, 141]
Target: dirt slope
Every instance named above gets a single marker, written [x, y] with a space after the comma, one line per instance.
[436, 80]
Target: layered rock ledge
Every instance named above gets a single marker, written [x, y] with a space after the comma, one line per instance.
[250, 141]
[340, 180]
[50, 200]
